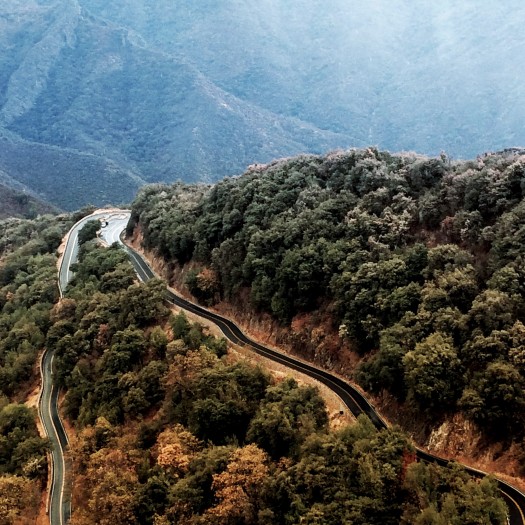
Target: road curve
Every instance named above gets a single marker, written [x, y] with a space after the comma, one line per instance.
[353, 399]
[70, 255]
[59, 504]
[59, 500]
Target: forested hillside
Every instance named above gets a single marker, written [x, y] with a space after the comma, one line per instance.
[173, 429]
[380, 72]
[66, 178]
[169, 427]
[418, 262]
[15, 203]
[27, 292]
[122, 92]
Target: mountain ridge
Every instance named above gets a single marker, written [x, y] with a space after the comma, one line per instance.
[197, 92]
[63, 177]
[150, 113]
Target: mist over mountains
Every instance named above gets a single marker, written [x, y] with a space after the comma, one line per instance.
[116, 94]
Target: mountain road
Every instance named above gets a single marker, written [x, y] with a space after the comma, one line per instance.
[59, 501]
[353, 398]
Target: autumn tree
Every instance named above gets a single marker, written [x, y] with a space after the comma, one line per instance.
[19, 500]
[238, 487]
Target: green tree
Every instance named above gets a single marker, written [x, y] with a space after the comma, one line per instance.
[88, 232]
[433, 373]
[495, 398]
[287, 415]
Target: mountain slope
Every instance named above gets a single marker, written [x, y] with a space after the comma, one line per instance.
[416, 263]
[95, 87]
[406, 75]
[14, 203]
[64, 177]
[196, 91]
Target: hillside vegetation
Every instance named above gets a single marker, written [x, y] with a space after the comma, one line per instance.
[66, 178]
[172, 429]
[18, 204]
[419, 262]
[28, 290]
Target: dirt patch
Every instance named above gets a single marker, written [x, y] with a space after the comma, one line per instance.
[42, 517]
[460, 439]
[339, 416]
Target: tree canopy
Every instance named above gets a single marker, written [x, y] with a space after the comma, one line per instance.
[418, 262]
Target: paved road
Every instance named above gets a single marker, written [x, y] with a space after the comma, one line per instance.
[117, 222]
[353, 399]
[59, 498]
[71, 251]
[59, 501]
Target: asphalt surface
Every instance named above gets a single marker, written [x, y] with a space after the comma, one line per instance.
[59, 500]
[117, 222]
[71, 251]
[352, 398]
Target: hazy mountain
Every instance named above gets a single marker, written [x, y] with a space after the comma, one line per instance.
[405, 75]
[15, 203]
[76, 82]
[198, 90]
[64, 177]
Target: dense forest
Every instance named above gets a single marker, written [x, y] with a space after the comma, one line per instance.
[172, 429]
[419, 261]
[168, 427]
[27, 292]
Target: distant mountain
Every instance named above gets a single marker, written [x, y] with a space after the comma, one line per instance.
[95, 90]
[15, 203]
[400, 74]
[160, 91]
[63, 177]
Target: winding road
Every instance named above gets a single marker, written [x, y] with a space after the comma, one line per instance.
[59, 500]
[59, 505]
[115, 222]
[353, 399]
